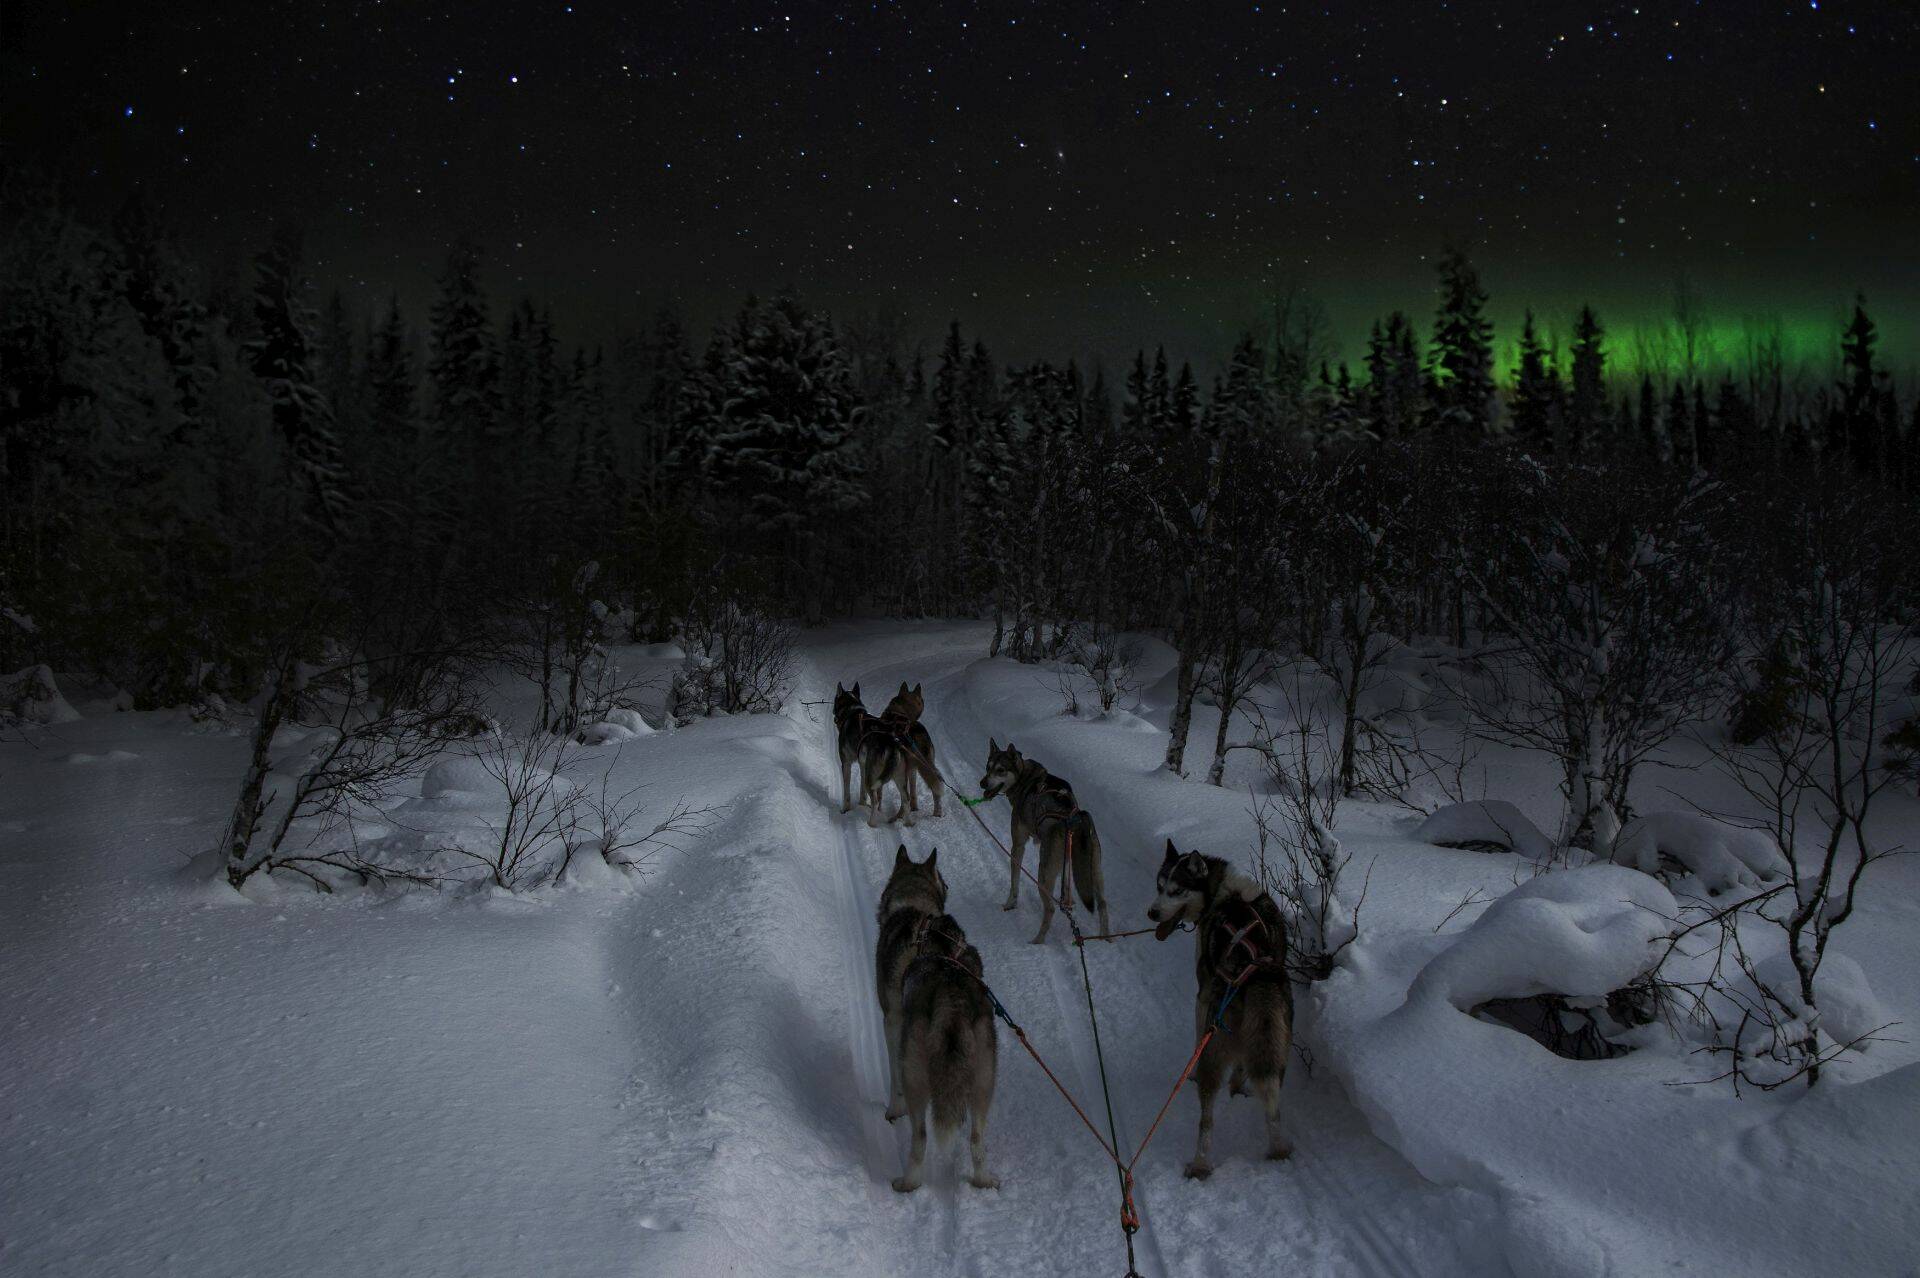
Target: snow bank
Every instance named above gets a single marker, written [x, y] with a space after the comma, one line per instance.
[1485, 823]
[1722, 856]
[32, 696]
[1583, 932]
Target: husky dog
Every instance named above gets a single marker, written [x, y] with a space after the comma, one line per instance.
[1237, 928]
[1044, 810]
[850, 723]
[949, 1053]
[915, 895]
[897, 747]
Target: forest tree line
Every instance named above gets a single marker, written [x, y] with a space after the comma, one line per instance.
[200, 472]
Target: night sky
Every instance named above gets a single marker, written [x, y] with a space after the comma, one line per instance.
[1064, 179]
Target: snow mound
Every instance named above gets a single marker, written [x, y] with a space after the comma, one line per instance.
[458, 775]
[1722, 856]
[31, 696]
[616, 727]
[1483, 824]
[1849, 1009]
[1583, 933]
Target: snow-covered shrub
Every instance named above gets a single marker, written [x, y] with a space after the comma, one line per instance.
[1721, 856]
[31, 696]
[1485, 825]
[1107, 658]
[739, 661]
[1299, 860]
[529, 839]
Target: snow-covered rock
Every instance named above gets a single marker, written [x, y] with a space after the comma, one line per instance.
[1483, 824]
[32, 696]
[1722, 856]
[1583, 933]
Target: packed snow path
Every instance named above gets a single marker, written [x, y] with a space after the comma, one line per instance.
[1344, 1203]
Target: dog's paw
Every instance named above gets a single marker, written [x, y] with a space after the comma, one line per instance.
[894, 1114]
[1039, 940]
[905, 1184]
[1197, 1170]
[1279, 1153]
[984, 1182]
[1011, 904]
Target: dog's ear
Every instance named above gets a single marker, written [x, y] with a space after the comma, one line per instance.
[903, 688]
[837, 689]
[1173, 854]
[916, 689]
[901, 858]
[933, 859]
[993, 747]
[856, 689]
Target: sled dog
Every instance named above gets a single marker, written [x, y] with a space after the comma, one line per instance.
[897, 747]
[1044, 810]
[915, 895]
[851, 723]
[1237, 927]
[948, 1053]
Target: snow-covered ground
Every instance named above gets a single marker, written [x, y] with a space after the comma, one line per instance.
[682, 1071]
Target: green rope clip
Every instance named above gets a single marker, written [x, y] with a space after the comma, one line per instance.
[972, 803]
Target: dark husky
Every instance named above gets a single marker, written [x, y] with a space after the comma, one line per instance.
[850, 723]
[897, 747]
[1044, 810]
[949, 1053]
[1238, 931]
[915, 895]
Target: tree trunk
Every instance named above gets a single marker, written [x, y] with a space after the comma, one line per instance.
[1182, 718]
[237, 841]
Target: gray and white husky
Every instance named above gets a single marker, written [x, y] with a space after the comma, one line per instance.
[896, 747]
[850, 724]
[1239, 934]
[915, 895]
[949, 1053]
[1044, 810]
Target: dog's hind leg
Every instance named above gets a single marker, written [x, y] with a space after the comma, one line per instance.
[896, 1090]
[1016, 850]
[1053, 870]
[986, 1067]
[846, 783]
[1207, 1079]
[1267, 1087]
[919, 1095]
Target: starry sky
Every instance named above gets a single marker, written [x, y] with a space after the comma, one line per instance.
[1061, 178]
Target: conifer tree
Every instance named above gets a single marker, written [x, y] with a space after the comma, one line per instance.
[1587, 409]
[283, 358]
[1533, 394]
[1462, 353]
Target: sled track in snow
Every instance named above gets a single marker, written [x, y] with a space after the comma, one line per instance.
[1070, 1006]
[1377, 1248]
[1386, 1254]
[868, 1033]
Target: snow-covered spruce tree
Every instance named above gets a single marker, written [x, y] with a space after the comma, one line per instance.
[782, 447]
[1607, 620]
[283, 358]
[1464, 399]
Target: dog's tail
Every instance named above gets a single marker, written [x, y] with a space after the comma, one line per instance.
[952, 1072]
[1086, 858]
